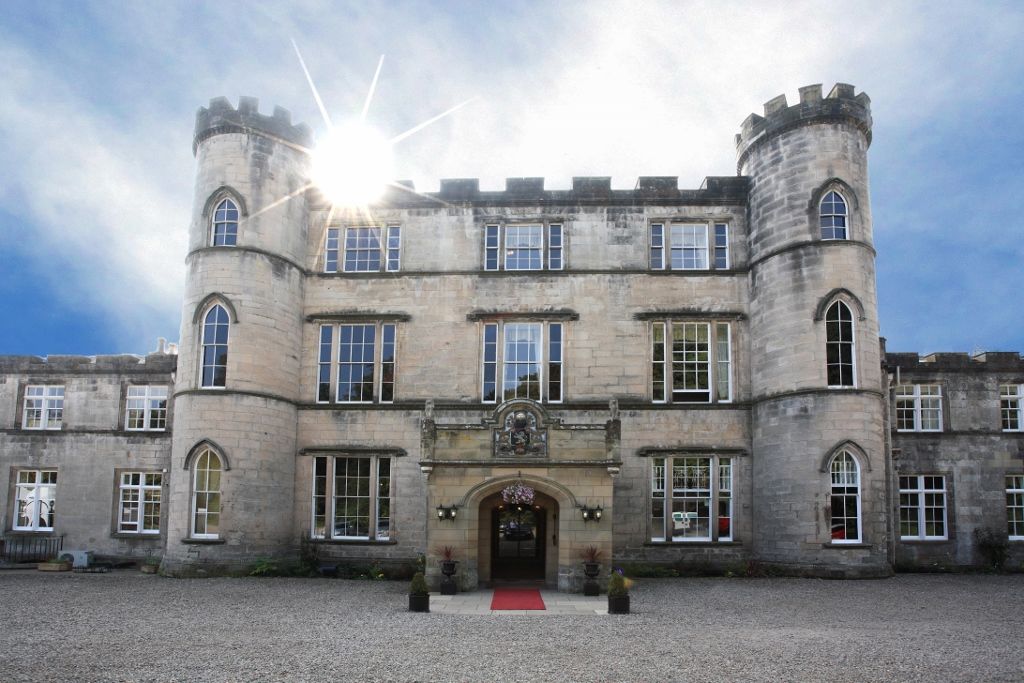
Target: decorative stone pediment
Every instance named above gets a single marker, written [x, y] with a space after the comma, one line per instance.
[520, 431]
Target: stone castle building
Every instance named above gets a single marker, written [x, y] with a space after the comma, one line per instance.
[684, 377]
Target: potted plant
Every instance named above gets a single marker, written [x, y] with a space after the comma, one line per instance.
[419, 597]
[618, 593]
[55, 564]
[150, 565]
[591, 568]
[448, 566]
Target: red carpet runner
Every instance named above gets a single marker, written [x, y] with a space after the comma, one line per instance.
[517, 598]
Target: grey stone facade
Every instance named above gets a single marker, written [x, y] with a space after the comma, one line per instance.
[89, 451]
[972, 450]
[754, 446]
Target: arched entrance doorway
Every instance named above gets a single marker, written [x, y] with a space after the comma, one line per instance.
[518, 542]
[518, 548]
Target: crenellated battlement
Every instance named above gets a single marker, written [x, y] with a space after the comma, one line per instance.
[125, 363]
[220, 117]
[955, 361]
[715, 190]
[840, 105]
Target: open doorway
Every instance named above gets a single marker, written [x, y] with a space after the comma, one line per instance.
[518, 542]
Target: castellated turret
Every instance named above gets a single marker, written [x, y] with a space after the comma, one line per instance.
[815, 378]
[236, 404]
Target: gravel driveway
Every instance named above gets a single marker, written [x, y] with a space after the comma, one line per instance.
[129, 626]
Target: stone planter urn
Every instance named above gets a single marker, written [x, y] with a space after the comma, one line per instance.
[448, 586]
[590, 571]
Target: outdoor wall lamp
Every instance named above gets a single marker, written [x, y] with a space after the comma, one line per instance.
[591, 514]
[448, 513]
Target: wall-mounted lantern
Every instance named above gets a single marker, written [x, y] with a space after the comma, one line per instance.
[591, 514]
[446, 512]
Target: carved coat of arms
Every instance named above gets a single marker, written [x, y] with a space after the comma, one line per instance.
[519, 436]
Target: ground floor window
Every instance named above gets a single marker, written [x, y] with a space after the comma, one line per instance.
[139, 503]
[35, 500]
[845, 499]
[206, 500]
[922, 508]
[352, 497]
[1015, 507]
[691, 499]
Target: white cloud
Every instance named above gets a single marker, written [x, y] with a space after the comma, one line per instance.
[98, 136]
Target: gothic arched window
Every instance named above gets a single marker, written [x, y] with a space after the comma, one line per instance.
[225, 224]
[215, 348]
[845, 498]
[833, 214]
[839, 347]
[206, 501]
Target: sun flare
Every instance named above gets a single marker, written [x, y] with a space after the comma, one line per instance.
[352, 165]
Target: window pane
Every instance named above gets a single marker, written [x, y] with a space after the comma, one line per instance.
[355, 363]
[362, 250]
[490, 362]
[522, 354]
[523, 247]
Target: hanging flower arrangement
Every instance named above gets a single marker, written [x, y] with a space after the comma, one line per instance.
[517, 494]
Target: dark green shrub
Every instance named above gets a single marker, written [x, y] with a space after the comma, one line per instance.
[617, 586]
[993, 546]
[418, 586]
[265, 567]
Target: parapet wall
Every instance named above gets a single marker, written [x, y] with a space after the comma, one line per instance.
[840, 105]
[114, 364]
[989, 361]
[220, 117]
[655, 190]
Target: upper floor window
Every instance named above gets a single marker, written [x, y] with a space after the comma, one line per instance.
[364, 362]
[833, 215]
[691, 499]
[527, 363]
[352, 498]
[35, 500]
[845, 498]
[146, 408]
[225, 224]
[206, 500]
[691, 362]
[139, 503]
[923, 508]
[44, 407]
[919, 408]
[366, 249]
[524, 247]
[215, 348]
[1011, 407]
[839, 346]
[686, 246]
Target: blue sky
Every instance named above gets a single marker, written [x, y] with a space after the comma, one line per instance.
[97, 102]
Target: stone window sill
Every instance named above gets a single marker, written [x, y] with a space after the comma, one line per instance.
[348, 541]
[136, 537]
[846, 546]
[926, 541]
[203, 541]
[691, 544]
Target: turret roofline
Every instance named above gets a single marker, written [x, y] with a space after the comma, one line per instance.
[220, 118]
[841, 105]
